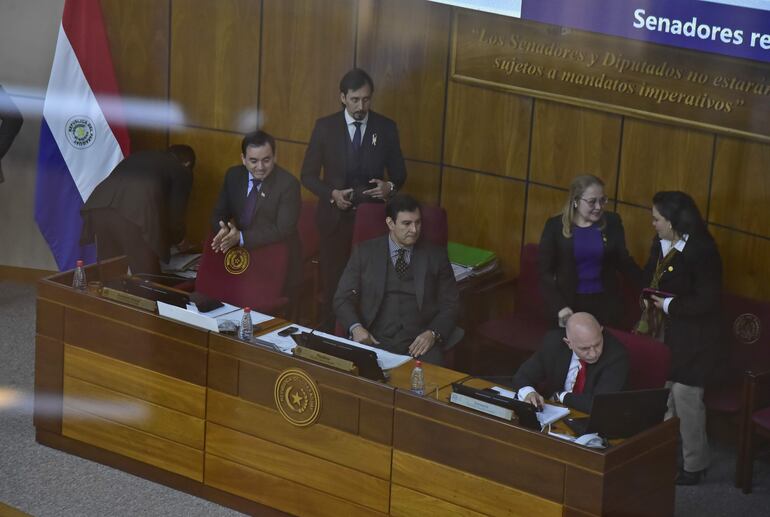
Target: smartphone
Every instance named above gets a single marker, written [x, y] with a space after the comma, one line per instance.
[649, 292]
[288, 331]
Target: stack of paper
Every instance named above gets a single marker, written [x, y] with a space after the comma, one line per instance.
[468, 261]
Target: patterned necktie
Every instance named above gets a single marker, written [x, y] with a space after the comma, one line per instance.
[251, 203]
[401, 264]
[580, 380]
[357, 136]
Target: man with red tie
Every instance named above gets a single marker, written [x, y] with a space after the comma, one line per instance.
[573, 365]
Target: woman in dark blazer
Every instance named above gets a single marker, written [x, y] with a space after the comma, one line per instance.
[685, 263]
[581, 252]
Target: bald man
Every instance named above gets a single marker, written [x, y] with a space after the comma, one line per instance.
[573, 365]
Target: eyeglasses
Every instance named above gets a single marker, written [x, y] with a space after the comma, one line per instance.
[594, 201]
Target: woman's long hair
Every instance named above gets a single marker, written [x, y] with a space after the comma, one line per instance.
[579, 185]
[681, 211]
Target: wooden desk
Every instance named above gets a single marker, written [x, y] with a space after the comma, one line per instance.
[196, 411]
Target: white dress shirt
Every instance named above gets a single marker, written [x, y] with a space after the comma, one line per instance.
[569, 381]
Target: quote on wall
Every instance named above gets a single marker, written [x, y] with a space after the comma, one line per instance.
[612, 73]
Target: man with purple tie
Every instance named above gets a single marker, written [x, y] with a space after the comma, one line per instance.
[259, 202]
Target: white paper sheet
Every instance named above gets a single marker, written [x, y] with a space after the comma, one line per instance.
[386, 360]
[194, 318]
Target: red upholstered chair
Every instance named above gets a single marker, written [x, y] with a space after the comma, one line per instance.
[746, 328]
[755, 422]
[370, 223]
[649, 360]
[524, 328]
[259, 285]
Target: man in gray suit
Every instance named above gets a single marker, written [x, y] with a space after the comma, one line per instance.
[399, 293]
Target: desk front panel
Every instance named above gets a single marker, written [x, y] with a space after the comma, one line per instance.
[340, 465]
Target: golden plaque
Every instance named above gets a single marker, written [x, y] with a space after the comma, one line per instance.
[236, 260]
[297, 397]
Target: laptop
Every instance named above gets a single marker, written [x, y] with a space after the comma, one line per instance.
[622, 414]
[364, 359]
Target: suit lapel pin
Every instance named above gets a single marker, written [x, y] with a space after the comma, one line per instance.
[262, 194]
[670, 269]
[374, 140]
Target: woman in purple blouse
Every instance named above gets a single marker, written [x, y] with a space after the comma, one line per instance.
[582, 250]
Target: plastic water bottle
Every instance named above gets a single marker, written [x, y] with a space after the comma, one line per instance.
[79, 277]
[418, 379]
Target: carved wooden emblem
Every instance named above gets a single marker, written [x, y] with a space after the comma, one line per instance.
[297, 397]
[747, 328]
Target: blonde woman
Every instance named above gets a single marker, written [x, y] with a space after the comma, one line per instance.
[581, 252]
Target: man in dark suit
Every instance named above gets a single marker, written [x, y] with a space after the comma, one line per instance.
[259, 203]
[353, 147]
[139, 210]
[11, 124]
[574, 364]
[399, 293]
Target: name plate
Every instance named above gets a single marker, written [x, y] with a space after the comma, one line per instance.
[484, 407]
[325, 359]
[129, 299]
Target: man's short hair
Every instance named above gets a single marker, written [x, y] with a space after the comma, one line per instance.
[184, 153]
[257, 139]
[401, 203]
[355, 79]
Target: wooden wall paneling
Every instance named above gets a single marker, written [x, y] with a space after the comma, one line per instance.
[135, 444]
[318, 440]
[277, 492]
[403, 44]
[134, 412]
[215, 62]
[740, 189]
[216, 151]
[139, 40]
[568, 141]
[422, 182]
[661, 157]
[466, 490]
[223, 373]
[308, 46]
[122, 377]
[410, 503]
[298, 466]
[49, 382]
[491, 459]
[136, 346]
[487, 130]
[49, 319]
[542, 204]
[485, 211]
[290, 157]
[637, 222]
[744, 263]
